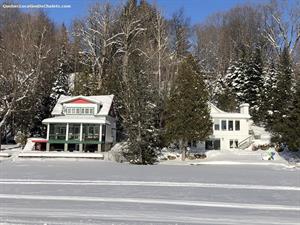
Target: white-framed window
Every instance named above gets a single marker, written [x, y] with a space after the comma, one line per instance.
[230, 125]
[217, 124]
[224, 125]
[79, 110]
[237, 125]
[233, 143]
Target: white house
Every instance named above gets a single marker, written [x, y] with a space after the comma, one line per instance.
[81, 123]
[230, 130]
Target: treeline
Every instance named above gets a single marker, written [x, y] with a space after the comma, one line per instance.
[162, 71]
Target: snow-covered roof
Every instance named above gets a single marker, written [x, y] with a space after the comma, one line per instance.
[214, 109]
[76, 119]
[105, 101]
[215, 112]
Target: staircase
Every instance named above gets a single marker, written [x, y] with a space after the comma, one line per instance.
[246, 142]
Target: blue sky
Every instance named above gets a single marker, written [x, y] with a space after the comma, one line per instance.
[196, 10]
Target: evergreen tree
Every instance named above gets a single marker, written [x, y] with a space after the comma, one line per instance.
[270, 76]
[226, 100]
[236, 78]
[61, 83]
[282, 96]
[290, 128]
[283, 92]
[254, 84]
[188, 117]
[138, 113]
[245, 80]
[137, 93]
[84, 83]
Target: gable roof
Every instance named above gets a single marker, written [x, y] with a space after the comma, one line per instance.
[214, 109]
[105, 101]
[215, 112]
[88, 99]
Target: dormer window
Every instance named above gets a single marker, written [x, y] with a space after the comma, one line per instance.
[79, 111]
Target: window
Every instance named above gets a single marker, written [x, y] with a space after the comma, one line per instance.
[237, 125]
[230, 125]
[233, 143]
[91, 132]
[214, 144]
[217, 125]
[79, 110]
[74, 131]
[103, 133]
[91, 111]
[194, 144]
[224, 125]
[57, 131]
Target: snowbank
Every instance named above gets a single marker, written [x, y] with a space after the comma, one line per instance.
[117, 152]
[261, 136]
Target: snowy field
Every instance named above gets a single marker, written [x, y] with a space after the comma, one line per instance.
[99, 192]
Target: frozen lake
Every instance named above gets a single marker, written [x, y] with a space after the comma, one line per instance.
[98, 192]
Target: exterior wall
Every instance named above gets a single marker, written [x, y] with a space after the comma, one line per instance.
[96, 114]
[226, 135]
[111, 130]
[235, 135]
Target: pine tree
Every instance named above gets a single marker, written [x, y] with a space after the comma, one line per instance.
[226, 100]
[290, 127]
[245, 79]
[236, 78]
[138, 113]
[137, 105]
[188, 117]
[282, 96]
[283, 93]
[270, 76]
[61, 83]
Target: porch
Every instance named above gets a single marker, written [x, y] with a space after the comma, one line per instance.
[76, 137]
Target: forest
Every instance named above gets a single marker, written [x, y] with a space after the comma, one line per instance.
[162, 71]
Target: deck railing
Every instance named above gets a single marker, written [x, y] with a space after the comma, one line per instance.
[246, 142]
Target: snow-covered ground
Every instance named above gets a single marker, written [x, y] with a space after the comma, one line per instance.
[229, 157]
[98, 192]
[240, 157]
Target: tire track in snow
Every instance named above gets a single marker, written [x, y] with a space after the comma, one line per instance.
[146, 183]
[32, 216]
[153, 201]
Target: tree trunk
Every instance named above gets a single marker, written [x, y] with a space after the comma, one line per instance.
[139, 142]
[182, 149]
